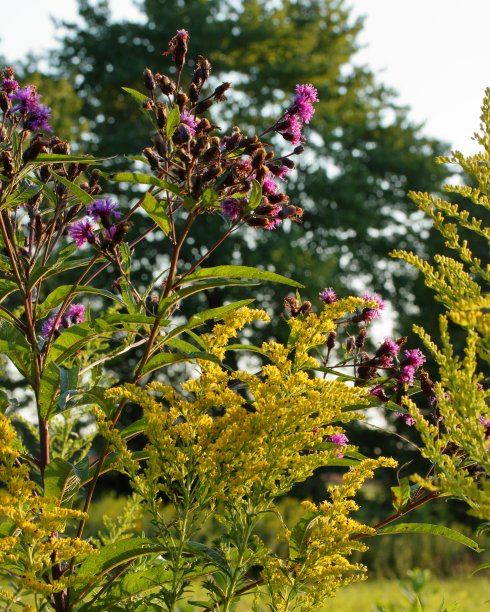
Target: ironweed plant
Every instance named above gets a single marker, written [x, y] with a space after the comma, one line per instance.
[225, 443]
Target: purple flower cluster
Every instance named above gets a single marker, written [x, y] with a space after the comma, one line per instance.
[26, 102]
[341, 440]
[9, 85]
[105, 211]
[233, 208]
[414, 358]
[369, 314]
[189, 120]
[409, 420]
[327, 296]
[300, 113]
[75, 314]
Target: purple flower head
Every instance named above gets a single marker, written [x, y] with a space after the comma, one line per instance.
[341, 440]
[290, 128]
[407, 374]
[327, 296]
[385, 361]
[303, 102]
[379, 393]
[280, 172]
[110, 232]
[48, 325]
[272, 224]
[369, 314]
[409, 420]
[82, 231]
[9, 85]
[75, 314]
[103, 210]
[38, 118]
[415, 358]
[269, 186]
[26, 99]
[189, 120]
[388, 347]
[233, 208]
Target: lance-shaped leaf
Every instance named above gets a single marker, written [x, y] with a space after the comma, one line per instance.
[6, 288]
[161, 360]
[156, 209]
[173, 120]
[60, 480]
[142, 179]
[15, 346]
[76, 190]
[439, 530]
[58, 295]
[52, 158]
[227, 272]
[255, 195]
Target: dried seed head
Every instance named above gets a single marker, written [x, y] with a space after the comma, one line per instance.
[149, 79]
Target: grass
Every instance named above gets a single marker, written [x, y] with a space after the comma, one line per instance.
[456, 595]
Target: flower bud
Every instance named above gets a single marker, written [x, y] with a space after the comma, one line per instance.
[193, 93]
[332, 336]
[219, 92]
[181, 100]
[360, 340]
[286, 161]
[298, 150]
[202, 107]
[4, 101]
[148, 79]
[167, 86]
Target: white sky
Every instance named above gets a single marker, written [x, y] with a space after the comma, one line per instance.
[435, 53]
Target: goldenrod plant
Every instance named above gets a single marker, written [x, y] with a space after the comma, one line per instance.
[211, 441]
[456, 437]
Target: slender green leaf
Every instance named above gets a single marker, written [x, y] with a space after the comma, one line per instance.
[68, 384]
[58, 295]
[136, 95]
[52, 158]
[76, 190]
[60, 480]
[400, 495]
[20, 196]
[6, 288]
[16, 347]
[48, 389]
[161, 360]
[439, 530]
[483, 566]
[138, 583]
[239, 272]
[94, 567]
[255, 195]
[173, 120]
[135, 428]
[156, 210]
[143, 179]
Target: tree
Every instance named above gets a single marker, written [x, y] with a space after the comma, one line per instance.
[366, 153]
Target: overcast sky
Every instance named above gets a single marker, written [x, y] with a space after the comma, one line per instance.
[435, 53]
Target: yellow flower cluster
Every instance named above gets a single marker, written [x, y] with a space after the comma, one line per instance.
[320, 544]
[27, 545]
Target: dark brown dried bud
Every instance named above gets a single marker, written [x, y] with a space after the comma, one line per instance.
[161, 115]
[160, 144]
[202, 72]
[181, 100]
[152, 157]
[213, 154]
[167, 86]
[350, 344]
[177, 47]
[203, 127]
[261, 173]
[7, 73]
[202, 107]
[212, 173]
[426, 383]
[37, 146]
[148, 104]
[232, 141]
[252, 147]
[332, 336]
[181, 135]
[4, 101]
[74, 210]
[199, 146]
[361, 338]
[258, 158]
[265, 209]
[121, 230]
[291, 212]
[219, 92]
[401, 341]
[60, 147]
[279, 198]
[286, 161]
[94, 177]
[305, 307]
[291, 305]
[298, 150]
[149, 79]
[258, 222]
[193, 93]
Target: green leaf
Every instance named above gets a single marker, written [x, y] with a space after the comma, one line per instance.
[400, 496]
[6, 288]
[16, 347]
[20, 196]
[94, 567]
[299, 534]
[138, 583]
[156, 210]
[51, 158]
[142, 179]
[210, 555]
[255, 195]
[48, 389]
[173, 120]
[60, 480]
[136, 95]
[433, 530]
[68, 384]
[69, 342]
[76, 190]
[161, 360]
[226, 272]
[483, 566]
[58, 295]
[132, 430]
[4, 401]
[209, 198]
